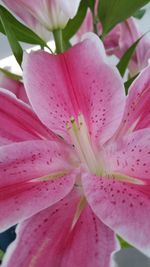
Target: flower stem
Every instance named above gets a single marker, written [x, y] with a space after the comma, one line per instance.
[58, 38]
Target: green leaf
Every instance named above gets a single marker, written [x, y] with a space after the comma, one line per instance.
[129, 82]
[111, 12]
[22, 33]
[124, 61]
[139, 14]
[14, 44]
[2, 28]
[1, 254]
[74, 24]
[91, 5]
[123, 243]
[11, 75]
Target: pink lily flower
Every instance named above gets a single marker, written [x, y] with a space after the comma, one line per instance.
[119, 39]
[13, 86]
[111, 41]
[130, 33]
[44, 15]
[74, 192]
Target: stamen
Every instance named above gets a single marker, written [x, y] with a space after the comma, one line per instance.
[73, 132]
[81, 140]
[86, 146]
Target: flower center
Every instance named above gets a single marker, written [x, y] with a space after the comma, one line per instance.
[94, 161]
[81, 140]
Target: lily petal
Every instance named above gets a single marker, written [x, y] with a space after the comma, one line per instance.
[131, 155]
[137, 109]
[129, 33]
[90, 239]
[69, 7]
[86, 84]
[13, 86]
[51, 14]
[18, 122]
[23, 10]
[41, 237]
[124, 207]
[33, 176]
[45, 242]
